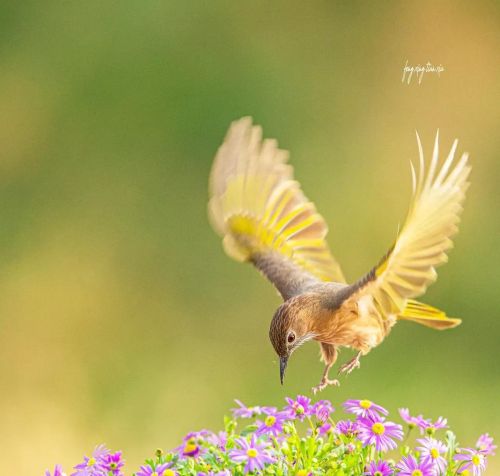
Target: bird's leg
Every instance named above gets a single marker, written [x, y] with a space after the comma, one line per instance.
[354, 363]
[325, 381]
[329, 355]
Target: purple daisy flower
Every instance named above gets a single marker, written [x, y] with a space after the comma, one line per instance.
[485, 445]
[427, 426]
[92, 465]
[57, 471]
[160, 470]
[272, 424]
[83, 470]
[409, 466]
[379, 468]
[471, 460]
[347, 427]
[112, 463]
[190, 448]
[100, 451]
[433, 451]
[218, 439]
[380, 433]
[412, 421]
[253, 453]
[364, 408]
[323, 409]
[324, 429]
[202, 434]
[248, 412]
[300, 407]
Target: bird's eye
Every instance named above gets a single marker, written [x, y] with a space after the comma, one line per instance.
[291, 337]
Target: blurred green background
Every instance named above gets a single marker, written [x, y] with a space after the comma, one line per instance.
[122, 321]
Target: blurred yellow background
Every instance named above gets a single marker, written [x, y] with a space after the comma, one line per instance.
[122, 321]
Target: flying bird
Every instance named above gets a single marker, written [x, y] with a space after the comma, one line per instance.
[265, 219]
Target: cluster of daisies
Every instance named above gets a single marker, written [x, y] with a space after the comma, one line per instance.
[303, 439]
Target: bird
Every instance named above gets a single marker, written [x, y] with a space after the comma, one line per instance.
[264, 218]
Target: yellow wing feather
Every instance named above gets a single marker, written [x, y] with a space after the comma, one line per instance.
[409, 267]
[257, 207]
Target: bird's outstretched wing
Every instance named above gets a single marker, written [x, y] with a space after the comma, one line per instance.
[409, 267]
[262, 214]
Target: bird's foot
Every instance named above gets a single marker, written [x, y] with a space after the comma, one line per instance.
[348, 367]
[324, 383]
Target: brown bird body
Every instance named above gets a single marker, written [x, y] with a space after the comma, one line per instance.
[265, 219]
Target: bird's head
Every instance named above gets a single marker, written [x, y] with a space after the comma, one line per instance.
[290, 328]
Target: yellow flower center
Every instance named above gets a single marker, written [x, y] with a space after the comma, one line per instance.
[252, 452]
[378, 428]
[476, 460]
[302, 472]
[378, 473]
[417, 472]
[91, 462]
[270, 420]
[154, 473]
[366, 404]
[189, 447]
[168, 472]
[434, 453]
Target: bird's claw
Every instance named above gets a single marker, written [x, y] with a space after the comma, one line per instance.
[324, 383]
[348, 367]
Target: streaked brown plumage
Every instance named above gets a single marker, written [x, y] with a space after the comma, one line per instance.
[264, 218]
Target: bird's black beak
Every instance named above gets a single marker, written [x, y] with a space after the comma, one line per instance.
[283, 363]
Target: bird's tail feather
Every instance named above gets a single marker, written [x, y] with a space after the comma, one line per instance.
[427, 316]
